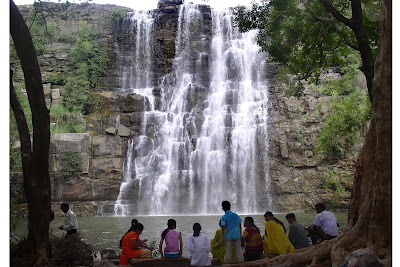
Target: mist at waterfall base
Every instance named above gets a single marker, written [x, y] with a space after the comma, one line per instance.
[105, 232]
[206, 141]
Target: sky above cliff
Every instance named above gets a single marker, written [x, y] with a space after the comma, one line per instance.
[151, 4]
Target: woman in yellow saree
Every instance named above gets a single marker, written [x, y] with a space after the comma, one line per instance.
[218, 246]
[275, 240]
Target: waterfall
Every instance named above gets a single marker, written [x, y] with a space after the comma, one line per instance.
[137, 78]
[207, 142]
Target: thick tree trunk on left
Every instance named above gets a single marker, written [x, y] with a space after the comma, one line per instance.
[35, 158]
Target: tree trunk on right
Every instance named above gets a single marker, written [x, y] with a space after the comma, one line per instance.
[370, 211]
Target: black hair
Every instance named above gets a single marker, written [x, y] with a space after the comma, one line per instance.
[138, 226]
[320, 205]
[171, 225]
[220, 223]
[65, 205]
[196, 229]
[226, 205]
[133, 223]
[251, 220]
[290, 215]
[270, 214]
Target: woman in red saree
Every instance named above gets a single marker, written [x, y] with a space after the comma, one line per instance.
[133, 247]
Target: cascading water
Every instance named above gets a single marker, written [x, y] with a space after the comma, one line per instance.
[137, 78]
[208, 140]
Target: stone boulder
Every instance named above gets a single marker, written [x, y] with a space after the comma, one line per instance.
[128, 103]
[111, 130]
[124, 131]
[62, 142]
[363, 257]
[107, 146]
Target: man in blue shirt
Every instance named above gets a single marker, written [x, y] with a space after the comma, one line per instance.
[231, 222]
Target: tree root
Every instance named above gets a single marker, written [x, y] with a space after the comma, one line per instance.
[336, 250]
[41, 258]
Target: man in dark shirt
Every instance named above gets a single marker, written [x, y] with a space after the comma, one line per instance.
[297, 233]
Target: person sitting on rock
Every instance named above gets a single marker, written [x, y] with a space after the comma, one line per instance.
[251, 237]
[133, 247]
[276, 242]
[198, 244]
[173, 241]
[325, 226]
[297, 232]
[218, 246]
[133, 223]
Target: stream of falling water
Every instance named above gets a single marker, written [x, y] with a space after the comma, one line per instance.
[208, 140]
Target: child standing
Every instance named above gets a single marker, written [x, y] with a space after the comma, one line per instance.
[173, 241]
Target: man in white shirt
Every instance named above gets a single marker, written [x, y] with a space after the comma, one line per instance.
[325, 226]
[70, 223]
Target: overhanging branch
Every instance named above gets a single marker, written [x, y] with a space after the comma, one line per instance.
[336, 13]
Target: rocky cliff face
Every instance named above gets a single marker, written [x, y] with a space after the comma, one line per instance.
[295, 172]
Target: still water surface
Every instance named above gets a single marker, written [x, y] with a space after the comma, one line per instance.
[105, 232]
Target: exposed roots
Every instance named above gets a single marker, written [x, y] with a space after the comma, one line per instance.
[335, 250]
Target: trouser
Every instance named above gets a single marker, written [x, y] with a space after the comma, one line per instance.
[72, 232]
[316, 233]
[228, 251]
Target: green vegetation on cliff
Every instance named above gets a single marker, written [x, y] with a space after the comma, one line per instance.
[350, 111]
[89, 59]
[72, 163]
[118, 14]
[40, 32]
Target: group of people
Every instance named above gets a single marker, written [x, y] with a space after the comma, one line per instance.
[228, 241]
[198, 244]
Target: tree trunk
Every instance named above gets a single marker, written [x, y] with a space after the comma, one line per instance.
[371, 201]
[35, 159]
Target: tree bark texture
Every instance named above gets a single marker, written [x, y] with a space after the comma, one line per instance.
[371, 201]
[35, 158]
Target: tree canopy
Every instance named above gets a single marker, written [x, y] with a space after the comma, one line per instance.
[307, 37]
